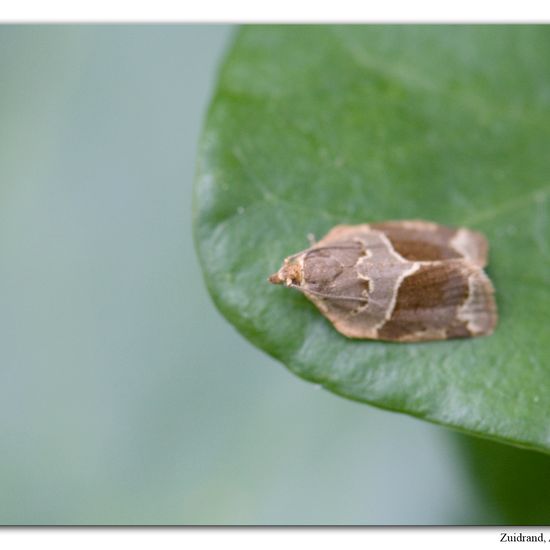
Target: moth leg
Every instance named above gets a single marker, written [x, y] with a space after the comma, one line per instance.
[311, 239]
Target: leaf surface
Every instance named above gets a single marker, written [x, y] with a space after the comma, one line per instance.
[315, 126]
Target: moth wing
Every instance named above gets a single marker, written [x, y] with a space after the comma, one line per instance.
[449, 299]
[418, 240]
[424, 281]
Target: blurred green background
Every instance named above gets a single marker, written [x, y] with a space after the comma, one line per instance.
[125, 398]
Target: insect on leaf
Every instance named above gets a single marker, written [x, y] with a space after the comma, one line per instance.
[312, 127]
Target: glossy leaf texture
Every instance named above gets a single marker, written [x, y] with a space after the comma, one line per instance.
[312, 126]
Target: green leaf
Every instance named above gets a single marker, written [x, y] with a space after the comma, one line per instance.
[513, 484]
[314, 126]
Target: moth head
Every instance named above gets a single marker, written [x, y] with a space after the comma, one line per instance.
[290, 274]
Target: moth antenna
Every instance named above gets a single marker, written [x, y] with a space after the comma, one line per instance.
[377, 302]
[315, 248]
[333, 247]
[332, 296]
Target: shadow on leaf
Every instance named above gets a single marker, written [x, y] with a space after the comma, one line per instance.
[514, 483]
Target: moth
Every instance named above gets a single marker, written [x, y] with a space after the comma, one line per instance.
[404, 281]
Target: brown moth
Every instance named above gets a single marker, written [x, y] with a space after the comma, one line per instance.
[405, 281]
